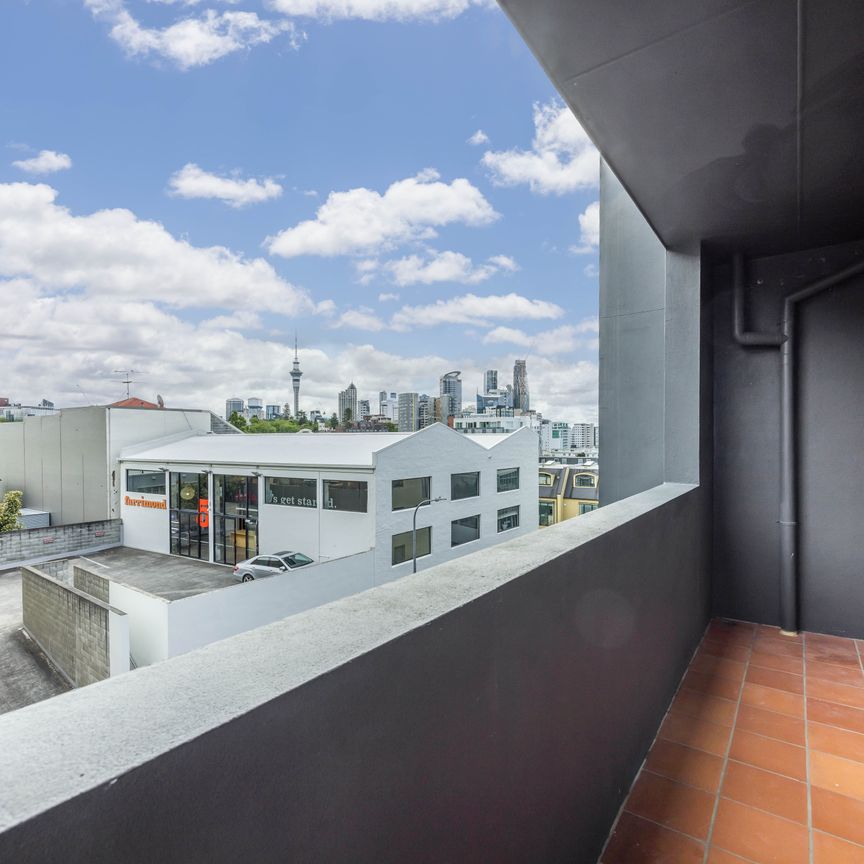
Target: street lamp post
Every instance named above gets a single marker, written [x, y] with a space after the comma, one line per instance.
[425, 502]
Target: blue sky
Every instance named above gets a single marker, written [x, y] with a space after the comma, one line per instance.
[183, 184]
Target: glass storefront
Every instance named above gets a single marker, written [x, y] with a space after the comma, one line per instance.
[235, 516]
[190, 519]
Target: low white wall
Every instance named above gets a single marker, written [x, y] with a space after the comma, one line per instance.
[148, 622]
[203, 618]
[118, 642]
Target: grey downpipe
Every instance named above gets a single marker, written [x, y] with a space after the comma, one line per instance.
[788, 436]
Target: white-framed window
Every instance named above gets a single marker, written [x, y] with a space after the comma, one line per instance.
[508, 519]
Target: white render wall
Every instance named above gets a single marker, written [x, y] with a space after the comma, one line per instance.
[438, 452]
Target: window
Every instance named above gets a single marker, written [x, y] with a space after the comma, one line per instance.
[508, 479]
[402, 550]
[347, 495]
[586, 508]
[464, 485]
[291, 491]
[464, 530]
[545, 480]
[583, 480]
[508, 518]
[547, 513]
[149, 482]
[407, 494]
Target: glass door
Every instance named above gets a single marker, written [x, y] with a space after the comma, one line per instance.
[190, 518]
[235, 512]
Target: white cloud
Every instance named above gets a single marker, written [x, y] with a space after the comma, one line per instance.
[377, 10]
[113, 254]
[242, 319]
[387, 297]
[478, 138]
[560, 340]
[592, 271]
[561, 159]
[47, 162]
[589, 226]
[364, 221]
[445, 267]
[474, 310]
[193, 182]
[191, 42]
[362, 318]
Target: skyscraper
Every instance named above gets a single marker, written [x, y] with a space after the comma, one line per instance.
[295, 379]
[234, 405]
[348, 402]
[409, 410]
[451, 385]
[521, 398]
[363, 409]
[490, 381]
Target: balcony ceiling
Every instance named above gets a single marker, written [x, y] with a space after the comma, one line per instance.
[736, 121]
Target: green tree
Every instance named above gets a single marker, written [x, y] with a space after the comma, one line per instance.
[347, 417]
[10, 510]
[237, 420]
[333, 422]
[392, 427]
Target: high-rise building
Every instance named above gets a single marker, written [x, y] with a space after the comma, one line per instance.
[521, 398]
[425, 411]
[451, 385]
[255, 408]
[363, 408]
[348, 402]
[409, 411]
[583, 435]
[296, 375]
[490, 380]
[234, 405]
[442, 408]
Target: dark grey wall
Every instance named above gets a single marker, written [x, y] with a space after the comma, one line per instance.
[632, 346]
[505, 730]
[746, 442]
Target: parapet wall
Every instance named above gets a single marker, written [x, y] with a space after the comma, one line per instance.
[56, 541]
[85, 638]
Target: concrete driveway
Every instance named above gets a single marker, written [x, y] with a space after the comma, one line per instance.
[26, 676]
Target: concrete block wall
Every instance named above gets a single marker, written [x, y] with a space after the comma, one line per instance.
[91, 583]
[72, 628]
[29, 545]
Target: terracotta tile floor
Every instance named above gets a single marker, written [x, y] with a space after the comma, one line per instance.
[759, 760]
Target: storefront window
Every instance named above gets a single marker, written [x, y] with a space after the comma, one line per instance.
[291, 491]
[149, 482]
[349, 495]
[235, 513]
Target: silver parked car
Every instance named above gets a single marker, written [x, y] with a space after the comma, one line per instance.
[269, 565]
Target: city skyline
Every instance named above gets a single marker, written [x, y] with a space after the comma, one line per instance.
[289, 196]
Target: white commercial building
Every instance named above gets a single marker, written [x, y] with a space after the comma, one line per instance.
[224, 498]
[493, 423]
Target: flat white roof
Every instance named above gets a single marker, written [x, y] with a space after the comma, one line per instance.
[353, 449]
[336, 449]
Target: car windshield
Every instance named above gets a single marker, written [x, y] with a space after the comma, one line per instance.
[300, 558]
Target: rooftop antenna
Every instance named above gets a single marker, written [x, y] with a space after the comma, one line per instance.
[127, 378]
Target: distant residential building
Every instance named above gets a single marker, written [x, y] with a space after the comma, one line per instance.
[565, 491]
[388, 406]
[490, 380]
[496, 423]
[408, 412]
[315, 416]
[363, 409]
[286, 409]
[442, 409]
[495, 398]
[450, 384]
[521, 397]
[10, 411]
[272, 412]
[255, 408]
[583, 435]
[348, 402]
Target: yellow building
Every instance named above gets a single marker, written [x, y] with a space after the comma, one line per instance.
[566, 491]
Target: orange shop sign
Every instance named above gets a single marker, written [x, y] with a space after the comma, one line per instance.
[143, 502]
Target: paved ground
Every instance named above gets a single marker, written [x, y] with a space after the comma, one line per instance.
[167, 576]
[26, 676]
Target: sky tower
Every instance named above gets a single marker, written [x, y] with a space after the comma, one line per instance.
[295, 379]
